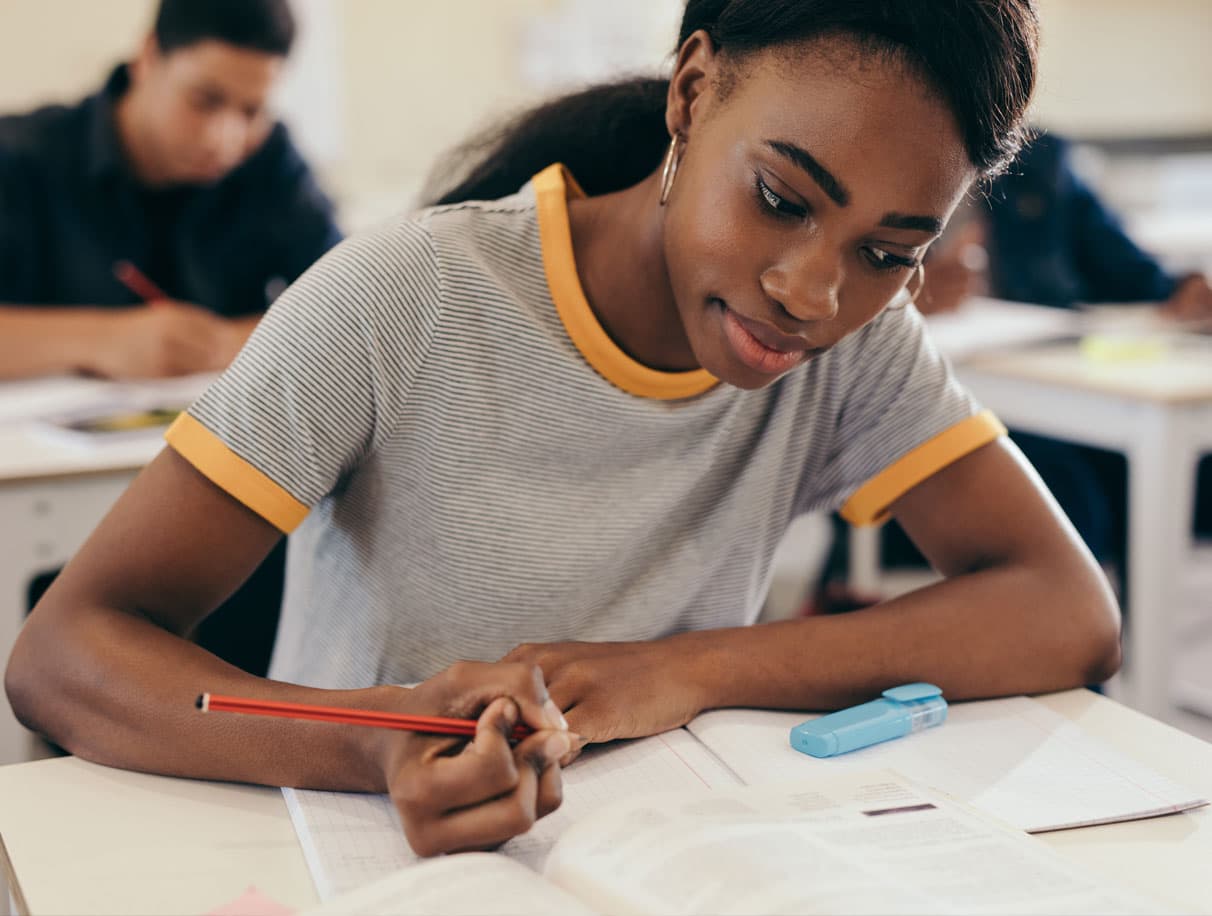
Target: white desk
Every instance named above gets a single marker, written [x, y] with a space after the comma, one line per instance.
[85, 839]
[53, 494]
[1159, 416]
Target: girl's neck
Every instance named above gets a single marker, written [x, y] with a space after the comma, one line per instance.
[618, 241]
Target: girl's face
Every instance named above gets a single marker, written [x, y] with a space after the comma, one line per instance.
[806, 197]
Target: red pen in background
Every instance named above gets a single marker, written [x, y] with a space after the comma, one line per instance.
[136, 281]
[431, 725]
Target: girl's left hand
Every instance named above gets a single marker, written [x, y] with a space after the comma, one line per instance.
[618, 689]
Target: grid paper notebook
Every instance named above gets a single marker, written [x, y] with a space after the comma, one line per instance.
[350, 840]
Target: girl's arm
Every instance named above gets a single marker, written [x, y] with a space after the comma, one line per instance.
[103, 668]
[1024, 609]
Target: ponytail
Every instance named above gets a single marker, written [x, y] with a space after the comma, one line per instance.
[610, 137]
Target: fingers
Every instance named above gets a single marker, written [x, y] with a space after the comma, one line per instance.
[541, 753]
[471, 686]
[483, 826]
[488, 793]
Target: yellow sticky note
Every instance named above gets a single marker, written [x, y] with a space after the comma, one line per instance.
[1111, 348]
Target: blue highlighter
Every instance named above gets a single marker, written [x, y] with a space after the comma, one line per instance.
[899, 711]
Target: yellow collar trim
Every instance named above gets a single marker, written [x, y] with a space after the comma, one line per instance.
[552, 188]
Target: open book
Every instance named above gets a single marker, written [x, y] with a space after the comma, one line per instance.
[1013, 759]
[99, 412]
[350, 840]
[847, 843]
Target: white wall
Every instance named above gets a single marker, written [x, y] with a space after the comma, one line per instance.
[1126, 67]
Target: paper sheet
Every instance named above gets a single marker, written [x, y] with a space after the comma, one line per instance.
[1013, 758]
[850, 842]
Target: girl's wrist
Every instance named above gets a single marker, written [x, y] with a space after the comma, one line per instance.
[699, 658]
[381, 749]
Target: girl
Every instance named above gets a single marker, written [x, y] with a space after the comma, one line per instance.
[579, 417]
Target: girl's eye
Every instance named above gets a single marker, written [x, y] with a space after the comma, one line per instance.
[881, 259]
[773, 201]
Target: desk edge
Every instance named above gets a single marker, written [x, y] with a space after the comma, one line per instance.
[10, 876]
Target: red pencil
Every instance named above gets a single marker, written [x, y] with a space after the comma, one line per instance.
[432, 725]
[137, 282]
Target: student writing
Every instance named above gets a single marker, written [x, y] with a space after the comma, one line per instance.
[176, 167]
[579, 418]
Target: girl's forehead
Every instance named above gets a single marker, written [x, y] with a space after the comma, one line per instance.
[868, 117]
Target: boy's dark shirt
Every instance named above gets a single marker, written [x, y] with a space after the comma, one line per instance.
[70, 209]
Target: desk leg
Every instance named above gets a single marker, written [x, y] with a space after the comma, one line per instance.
[864, 571]
[1161, 475]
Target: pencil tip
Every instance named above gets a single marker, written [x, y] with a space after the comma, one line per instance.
[199, 702]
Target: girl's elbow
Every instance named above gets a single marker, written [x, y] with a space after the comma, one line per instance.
[1100, 649]
[33, 682]
[21, 684]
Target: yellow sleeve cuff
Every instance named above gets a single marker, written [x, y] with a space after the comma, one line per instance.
[235, 476]
[869, 503]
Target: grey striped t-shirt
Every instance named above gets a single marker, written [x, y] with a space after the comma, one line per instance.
[472, 463]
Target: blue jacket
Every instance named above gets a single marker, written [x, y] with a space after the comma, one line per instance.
[1053, 242]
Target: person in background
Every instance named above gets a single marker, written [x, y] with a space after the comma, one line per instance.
[144, 230]
[1042, 235]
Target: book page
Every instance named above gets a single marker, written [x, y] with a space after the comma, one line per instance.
[350, 840]
[469, 884]
[1013, 758]
[847, 842]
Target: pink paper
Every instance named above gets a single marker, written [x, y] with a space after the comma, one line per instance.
[252, 903]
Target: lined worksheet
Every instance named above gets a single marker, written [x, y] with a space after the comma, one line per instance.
[350, 840]
[1013, 758]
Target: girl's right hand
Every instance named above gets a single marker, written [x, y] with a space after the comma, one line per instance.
[455, 795]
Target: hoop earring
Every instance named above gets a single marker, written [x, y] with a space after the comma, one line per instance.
[669, 171]
[920, 273]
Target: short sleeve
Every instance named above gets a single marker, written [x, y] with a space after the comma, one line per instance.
[903, 418]
[323, 378]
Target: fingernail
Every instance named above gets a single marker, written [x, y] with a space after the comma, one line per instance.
[554, 716]
[510, 711]
[557, 746]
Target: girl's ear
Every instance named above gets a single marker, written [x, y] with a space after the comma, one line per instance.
[693, 74]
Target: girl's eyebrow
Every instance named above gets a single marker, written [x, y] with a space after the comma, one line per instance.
[838, 193]
[931, 224]
[807, 162]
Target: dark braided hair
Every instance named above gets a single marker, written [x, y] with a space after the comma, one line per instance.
[978, 55]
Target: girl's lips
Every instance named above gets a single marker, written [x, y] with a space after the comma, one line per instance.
[755, 354]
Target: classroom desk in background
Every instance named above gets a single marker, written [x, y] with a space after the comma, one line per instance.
[1159, 416]
[84, 839]
[1157, 412]
[52, 495]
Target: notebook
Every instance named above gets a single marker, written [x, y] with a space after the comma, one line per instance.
[847, 842]
[349, 840]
